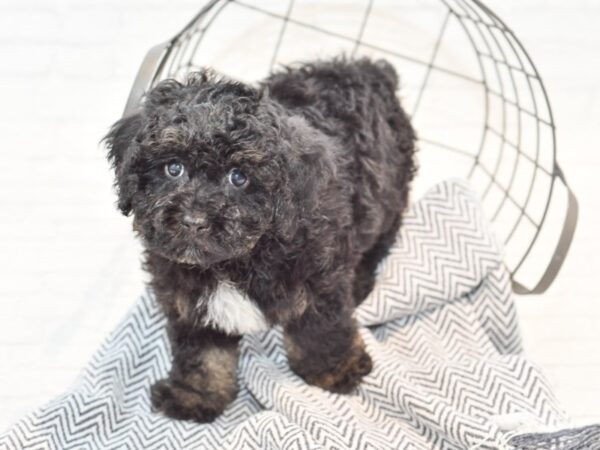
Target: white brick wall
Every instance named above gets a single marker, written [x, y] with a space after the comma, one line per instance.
[69, 265]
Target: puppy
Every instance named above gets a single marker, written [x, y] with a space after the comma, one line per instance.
[263, 206]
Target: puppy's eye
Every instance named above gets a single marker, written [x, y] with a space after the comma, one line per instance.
[174, 169]
[237, 177]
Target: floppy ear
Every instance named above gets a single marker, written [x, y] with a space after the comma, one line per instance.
[119, 141]
[310, 166]
[120, 137]
[314, 158]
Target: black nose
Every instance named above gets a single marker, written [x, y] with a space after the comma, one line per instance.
[195, 220]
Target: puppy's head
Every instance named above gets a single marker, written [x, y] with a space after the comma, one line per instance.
[210, 166]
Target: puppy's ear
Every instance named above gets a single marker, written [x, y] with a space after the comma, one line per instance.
[119, 141]
[120, 137]
[310, 164]
[315, 155]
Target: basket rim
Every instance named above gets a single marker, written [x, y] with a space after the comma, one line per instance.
[154, 64]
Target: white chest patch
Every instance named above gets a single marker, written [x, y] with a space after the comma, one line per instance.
[233, 312]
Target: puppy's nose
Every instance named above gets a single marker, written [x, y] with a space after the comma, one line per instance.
[195, 220]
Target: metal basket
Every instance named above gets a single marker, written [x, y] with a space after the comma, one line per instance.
[476, 99]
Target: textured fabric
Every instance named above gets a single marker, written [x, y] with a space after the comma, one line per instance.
[440, 326]
[584, 438]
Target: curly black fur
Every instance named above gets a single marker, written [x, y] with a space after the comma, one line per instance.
[328, 154]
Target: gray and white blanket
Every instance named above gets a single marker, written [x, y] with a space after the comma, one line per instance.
[441, 327]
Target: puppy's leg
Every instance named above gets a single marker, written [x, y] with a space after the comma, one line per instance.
[327, 350]
[364, 274]
[203, 378]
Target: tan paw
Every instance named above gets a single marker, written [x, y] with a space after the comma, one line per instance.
[181, 402]
[344, 377]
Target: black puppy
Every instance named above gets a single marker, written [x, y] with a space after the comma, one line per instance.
[264, 206]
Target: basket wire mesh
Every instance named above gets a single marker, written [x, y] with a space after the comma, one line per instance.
[476, 99]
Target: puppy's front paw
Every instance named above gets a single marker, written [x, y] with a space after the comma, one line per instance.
[181, 402]
[346, 377]
[342, 377]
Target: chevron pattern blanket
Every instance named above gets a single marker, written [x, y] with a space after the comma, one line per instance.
[440, 326]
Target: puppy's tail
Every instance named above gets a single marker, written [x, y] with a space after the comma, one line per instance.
[388, 70]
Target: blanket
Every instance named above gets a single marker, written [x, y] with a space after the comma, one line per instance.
[449, 370]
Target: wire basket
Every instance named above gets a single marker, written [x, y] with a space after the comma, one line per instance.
[476, 99]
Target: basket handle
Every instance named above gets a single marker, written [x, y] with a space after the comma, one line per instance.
[562, 247]
[154, 60]
[146, 73]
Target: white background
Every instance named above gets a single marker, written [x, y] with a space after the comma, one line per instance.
[68, 257]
